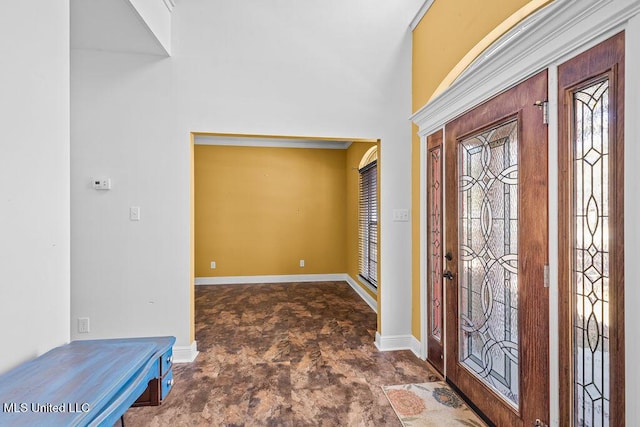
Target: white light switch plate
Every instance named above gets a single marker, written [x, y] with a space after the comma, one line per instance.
[401, 215]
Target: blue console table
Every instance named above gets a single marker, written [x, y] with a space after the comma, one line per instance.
[87, 383]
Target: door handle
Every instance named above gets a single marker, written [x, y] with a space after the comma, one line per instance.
[447, 275]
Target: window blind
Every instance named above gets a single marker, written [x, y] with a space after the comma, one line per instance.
[368, 224]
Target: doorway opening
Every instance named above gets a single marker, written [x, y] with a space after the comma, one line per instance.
[276, 208]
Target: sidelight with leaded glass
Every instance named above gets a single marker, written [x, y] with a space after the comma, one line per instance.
[591, 254]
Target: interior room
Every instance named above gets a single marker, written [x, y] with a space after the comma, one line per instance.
[197, 170]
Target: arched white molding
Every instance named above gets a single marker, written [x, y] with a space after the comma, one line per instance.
[517, 17]
[538, 41]
[369, 156]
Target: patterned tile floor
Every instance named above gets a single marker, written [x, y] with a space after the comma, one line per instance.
[291, 354]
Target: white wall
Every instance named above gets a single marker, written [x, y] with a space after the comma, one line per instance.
[631, 216]
[34, 179]
[319, 68]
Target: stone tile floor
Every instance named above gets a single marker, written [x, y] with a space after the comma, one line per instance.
[293, 354]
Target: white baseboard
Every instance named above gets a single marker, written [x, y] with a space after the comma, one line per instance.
[185, 354]
[235, 280]
[398, 342]
[416, 348]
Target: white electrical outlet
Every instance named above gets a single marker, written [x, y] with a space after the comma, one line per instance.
[83, 325]
[301, 263]
[213, 265]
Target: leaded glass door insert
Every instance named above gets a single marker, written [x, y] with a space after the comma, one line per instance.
[591, 254]
[435, 242]
[435, 291]
[488, 251]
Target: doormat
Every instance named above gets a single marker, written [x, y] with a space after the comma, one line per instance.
[430, 404]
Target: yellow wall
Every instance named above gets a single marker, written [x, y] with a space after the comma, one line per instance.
[450, 31]
[260, 210]
[354, 155]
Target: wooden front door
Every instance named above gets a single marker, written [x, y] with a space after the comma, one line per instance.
[497, 307]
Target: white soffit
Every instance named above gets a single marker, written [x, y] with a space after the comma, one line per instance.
[111, 25]
[548, 36]
[277, 142]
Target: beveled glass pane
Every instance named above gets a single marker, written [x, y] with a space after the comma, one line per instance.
[488, 270]
[435, 241]
[590, 254]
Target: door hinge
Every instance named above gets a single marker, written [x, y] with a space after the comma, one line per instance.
[546, 276]
[544, 105]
